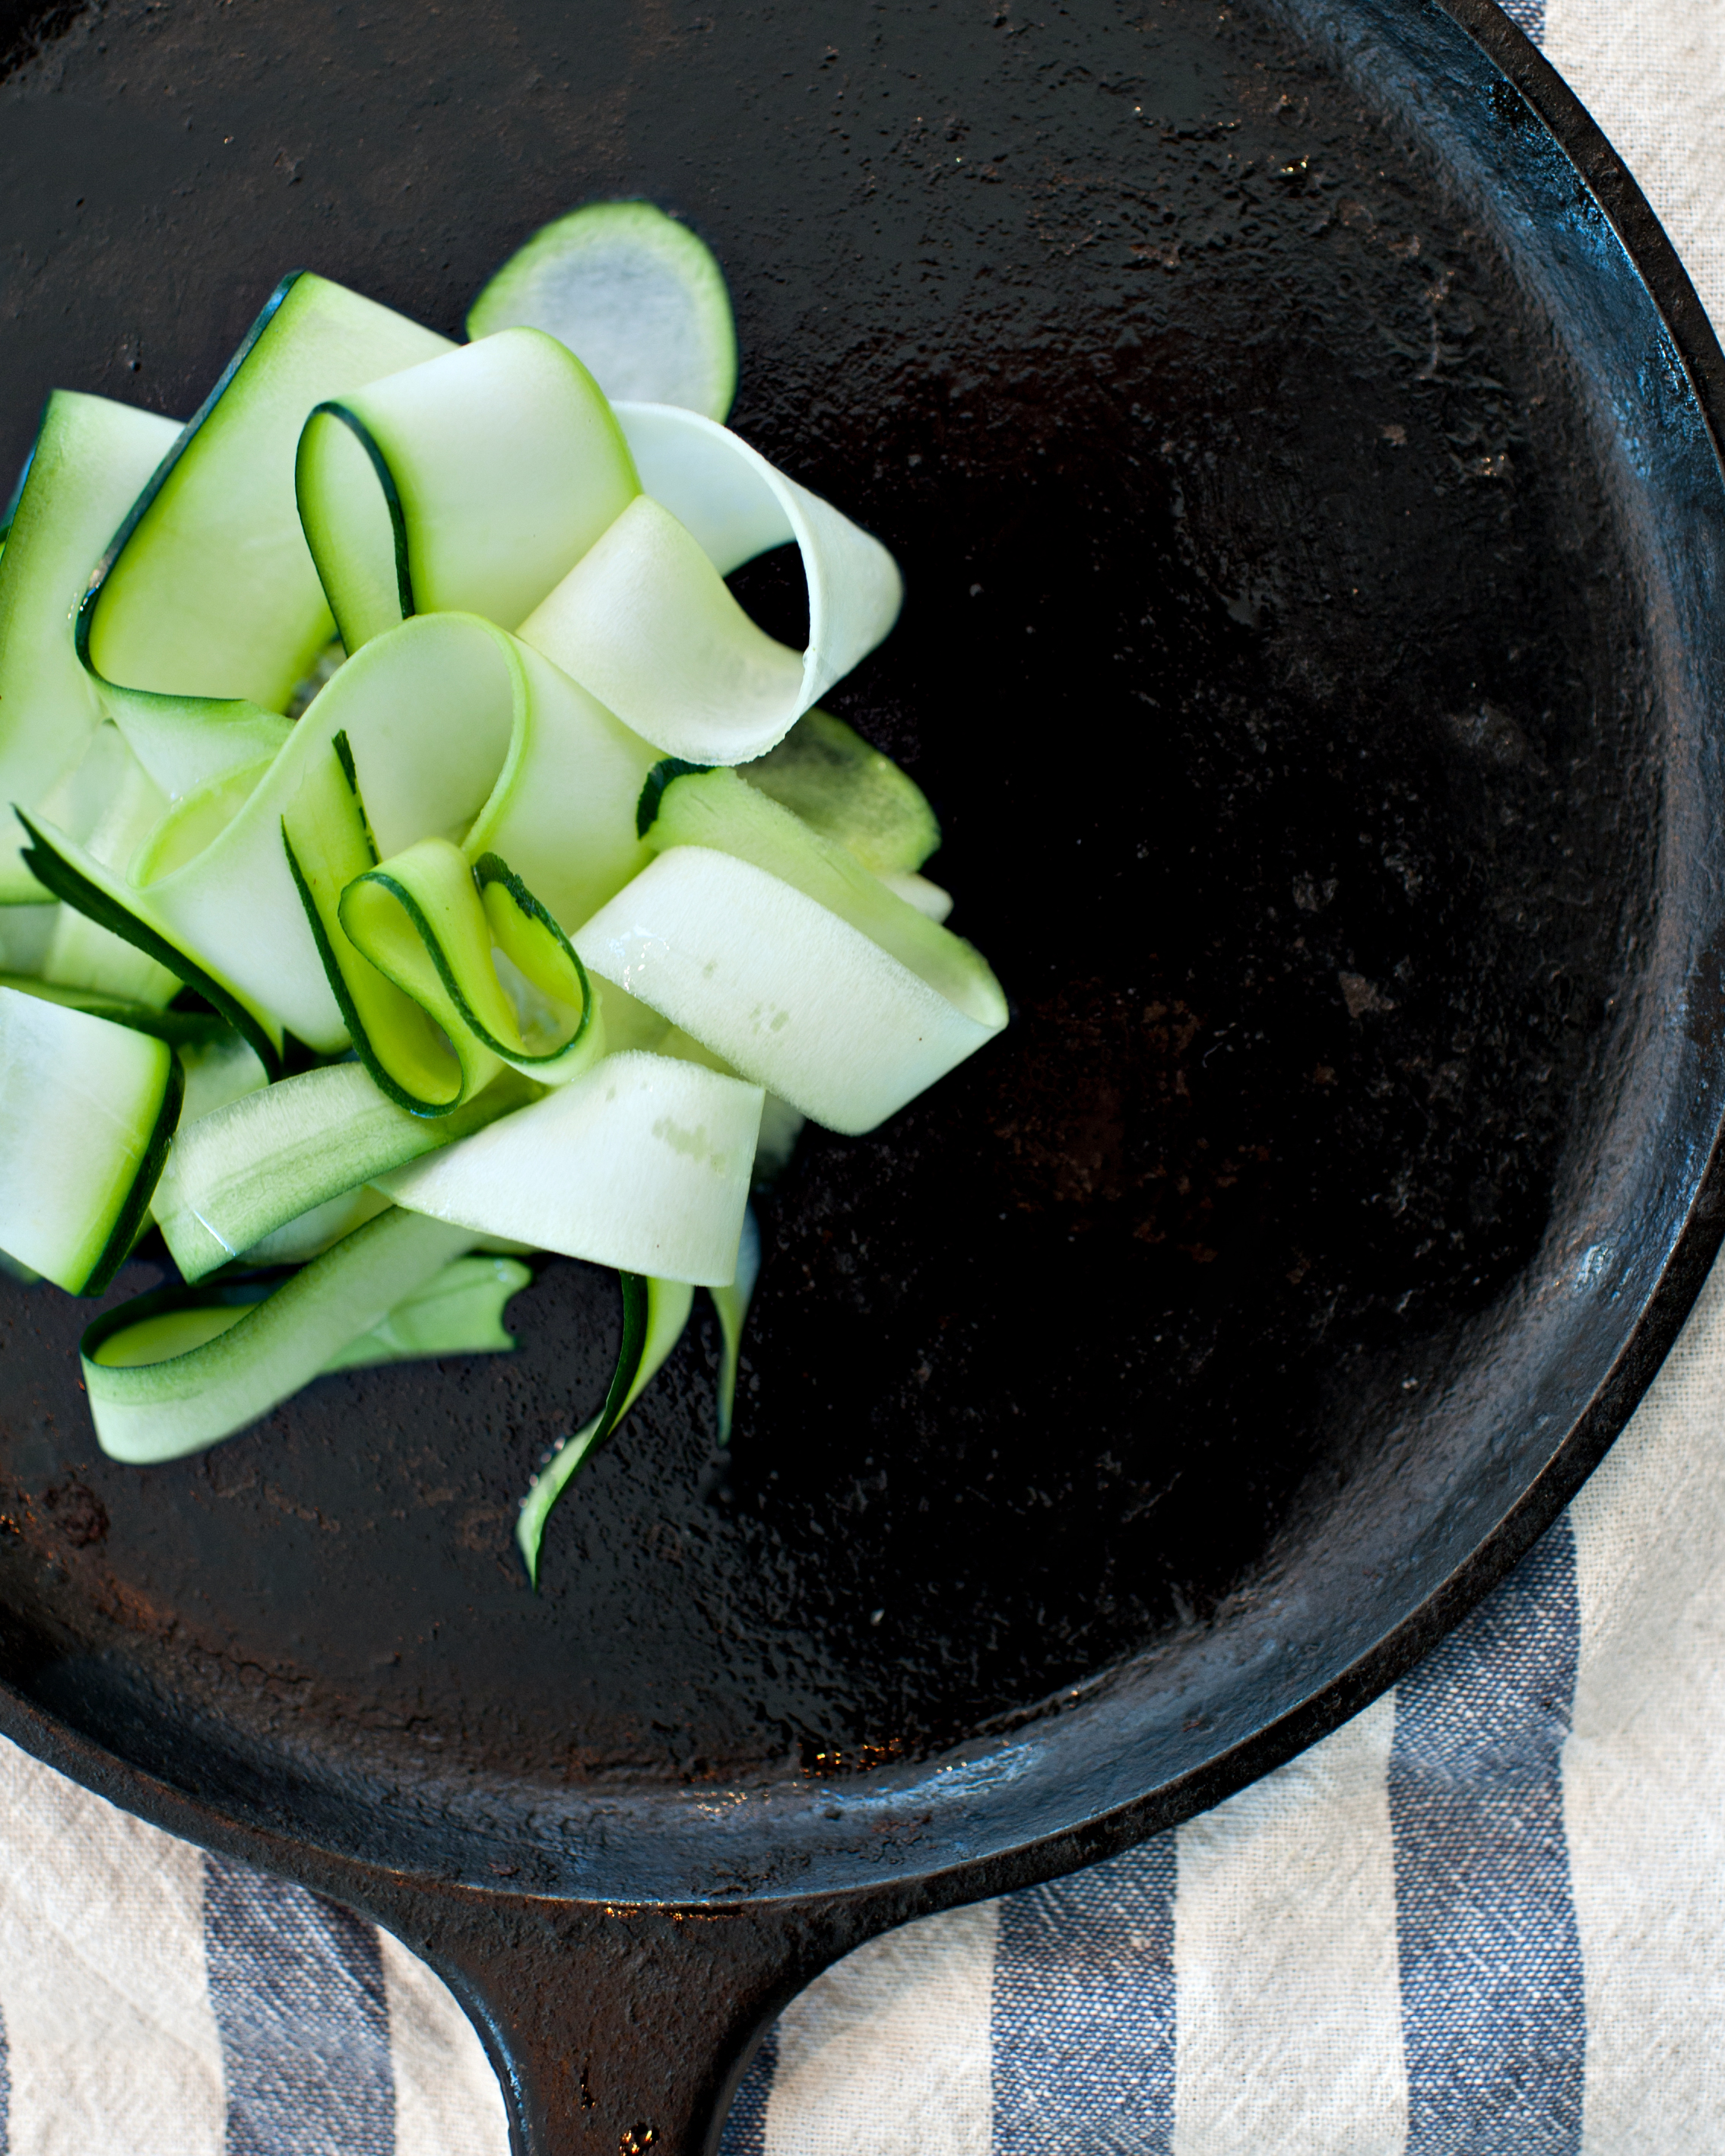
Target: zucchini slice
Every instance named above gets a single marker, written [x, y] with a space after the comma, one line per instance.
[459, 1311]
[716, 809]
[158, 1390]
[642, 1163]
[563, 812]
[61, 866]
[109, 804]
[470, 484]
[189, 744]
[219, 1072]
[428, 712]
[644, 620]
[208, 589]
[655, 1313]
[411, 1054]
[26, 932]
[829, 775]
[87, 1109]
[930, 900]
[90, 459]
[246, 1172]
[731, 1304]
[781, 1127]
[454, 728]
[635, 293]
[179, 1028]
[788, 992]
[426, 922]
[312, 1233]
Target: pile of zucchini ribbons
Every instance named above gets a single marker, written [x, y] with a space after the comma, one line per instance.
[397, 708]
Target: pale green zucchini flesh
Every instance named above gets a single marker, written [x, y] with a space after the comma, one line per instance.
[308, 1234]
[62, 867]
[642, 1163]
[90, 459]
[192, 1395]
[459, 1311]
[246, 1170]
[654, 1314]
[645, 622]
[789, 993]
[637, 295]
[208, 589]
[109, 804]
[87, 1109]
[731, 1303]
[470, 484]
[849, 793]
[716, 809]
[181, 1029]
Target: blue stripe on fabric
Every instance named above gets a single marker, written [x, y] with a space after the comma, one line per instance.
[746, 2128]
[5, 2090]
[1493, 2017]
[1083, 2012]
[297, 1989]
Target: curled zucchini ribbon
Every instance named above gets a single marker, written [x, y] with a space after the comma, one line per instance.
[444, 933]
[644, 620]
[522, 769]
[468, 484]
[252, 1168]
[413, 950]
[778, 951]
[89, 459]
[640, 1162]
[208, 591]
[175, 1371]
[87, 1111]
[655, 1313]
[498, 480]
[453, 727]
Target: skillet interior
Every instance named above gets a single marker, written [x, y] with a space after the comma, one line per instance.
[1309, 534]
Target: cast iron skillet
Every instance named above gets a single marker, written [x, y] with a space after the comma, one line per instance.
[1299, 441]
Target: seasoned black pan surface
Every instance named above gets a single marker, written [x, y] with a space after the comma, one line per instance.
[1296, 435]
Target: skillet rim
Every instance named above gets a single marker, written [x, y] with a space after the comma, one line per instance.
[909, 1893]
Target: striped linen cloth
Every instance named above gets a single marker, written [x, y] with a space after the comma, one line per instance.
[1487, 1916]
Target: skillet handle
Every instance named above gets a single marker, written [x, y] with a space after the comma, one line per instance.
[618, 2031]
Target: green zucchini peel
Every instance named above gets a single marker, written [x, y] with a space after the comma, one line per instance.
[419, 1063]
[470, 484]
[97, 896]
[732, 1306]
[129, 1220]
[208, 589]
[151, 1409]
[179, 1028]
[655, 1313]
[435, 927]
